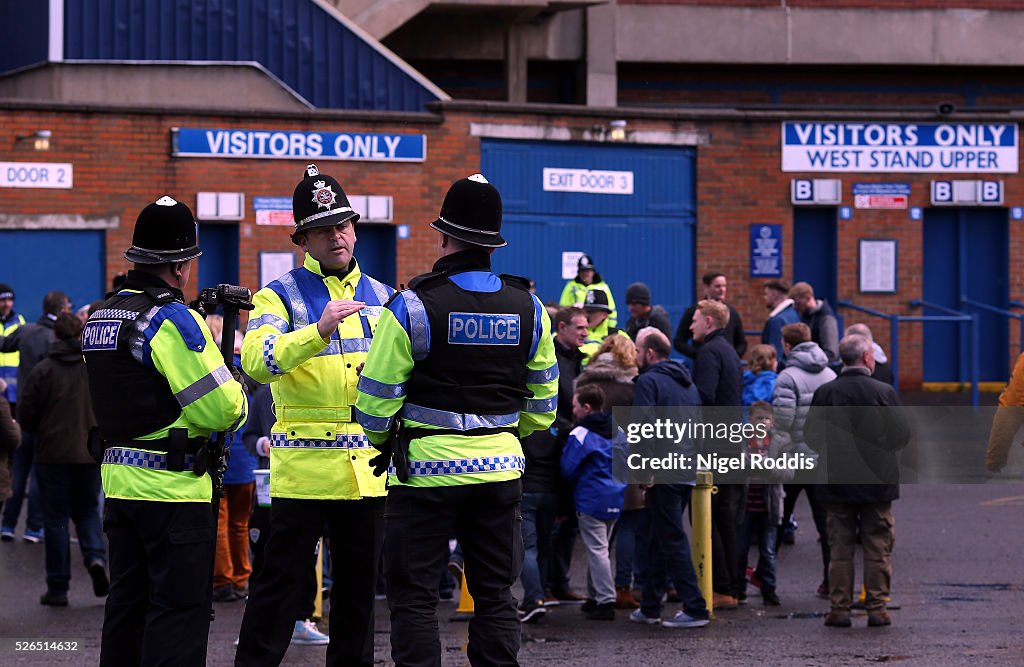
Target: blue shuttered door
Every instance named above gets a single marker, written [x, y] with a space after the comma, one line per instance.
[966, 254]
[35, 262]
[814, 250]
[646, 236]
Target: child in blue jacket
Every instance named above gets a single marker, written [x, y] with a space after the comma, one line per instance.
[588, 461]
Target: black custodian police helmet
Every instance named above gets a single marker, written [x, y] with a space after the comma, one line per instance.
[471, 212]
[165, 232]
[319, 201]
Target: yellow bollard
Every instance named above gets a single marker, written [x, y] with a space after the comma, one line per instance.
[464, 611]
[318, 599]
[700, 540]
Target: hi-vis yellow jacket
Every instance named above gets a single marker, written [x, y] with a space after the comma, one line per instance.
[317, 450]
[9, 360]
[451, 459]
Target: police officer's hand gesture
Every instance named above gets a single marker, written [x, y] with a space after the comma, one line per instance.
[334, 312]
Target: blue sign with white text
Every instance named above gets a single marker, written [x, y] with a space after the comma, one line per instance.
[882, 147]
[483, 329]
[881, 189]
[765, 251]
[291, 145]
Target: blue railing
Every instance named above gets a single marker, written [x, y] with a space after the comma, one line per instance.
[950, 316]
[973, 338]
[1005, 313]
[894, 336]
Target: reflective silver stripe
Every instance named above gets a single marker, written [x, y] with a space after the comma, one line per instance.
[372, 422]
[544, 376]
[267, 318]
[379, 289]
[323, 214]
[346, 346]
[241, 417]
[378, 389]
[137, 340]
[137, 459]
[541, 405]
[456, 421]
[464, 466]
[417, 325]
[203, 386]
[342, 441]
[268, 355]
[299, 314]
[371, 311]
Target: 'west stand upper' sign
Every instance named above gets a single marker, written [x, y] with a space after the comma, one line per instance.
[290, 145]
[978, 148]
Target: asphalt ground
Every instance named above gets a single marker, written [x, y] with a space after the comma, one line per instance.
[958, 582]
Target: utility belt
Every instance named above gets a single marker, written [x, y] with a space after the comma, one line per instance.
[176, 451]
[403, 435]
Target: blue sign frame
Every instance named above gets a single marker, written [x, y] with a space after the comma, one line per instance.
[765, 251]
[293, 145]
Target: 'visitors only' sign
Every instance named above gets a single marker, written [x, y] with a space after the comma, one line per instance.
[291, 145]
[979, 148]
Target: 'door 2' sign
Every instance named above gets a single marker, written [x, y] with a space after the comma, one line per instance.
[286, 145]
[985, 148]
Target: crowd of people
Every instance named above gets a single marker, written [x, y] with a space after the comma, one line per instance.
[319, 404]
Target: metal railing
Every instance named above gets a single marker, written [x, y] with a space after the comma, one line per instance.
[1001, 311]
[973, 339]
[950, 316]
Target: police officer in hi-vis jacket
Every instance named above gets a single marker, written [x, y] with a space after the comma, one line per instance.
[464, 360]
[159, 389]
[307, 337]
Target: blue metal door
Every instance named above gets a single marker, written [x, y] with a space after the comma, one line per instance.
[646, 236]
[814, 250]
[966, 255]
[375, 250]
[35, 262]
[219, 261]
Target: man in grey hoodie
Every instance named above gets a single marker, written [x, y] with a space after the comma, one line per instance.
[806, 370]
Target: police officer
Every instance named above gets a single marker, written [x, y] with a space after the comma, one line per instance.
[599, 325]
[9, 321]
[463, 358]
[308, 337]
[159, 389]
[587, 278]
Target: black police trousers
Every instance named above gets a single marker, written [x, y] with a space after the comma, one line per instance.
[487, 521]
[356, 530]
[158, 608]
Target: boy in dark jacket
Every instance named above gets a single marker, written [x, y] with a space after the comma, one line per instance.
[588, 461]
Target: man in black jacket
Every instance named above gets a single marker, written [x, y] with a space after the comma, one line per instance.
[715, 287]
[858, 437]
[33, 342]
[718, 376]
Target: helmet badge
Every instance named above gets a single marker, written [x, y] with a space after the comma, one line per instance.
[323, 195]
[166, 201]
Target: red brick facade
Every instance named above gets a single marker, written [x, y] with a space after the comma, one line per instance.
[122, 161]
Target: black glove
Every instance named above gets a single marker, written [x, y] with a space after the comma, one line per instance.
[381, 462]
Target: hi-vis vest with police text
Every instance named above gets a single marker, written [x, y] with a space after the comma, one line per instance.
[153, 366]
[9, 360]
[466, 354]
[317, 450]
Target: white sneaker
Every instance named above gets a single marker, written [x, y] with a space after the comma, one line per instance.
[684, 620]
[307, 634]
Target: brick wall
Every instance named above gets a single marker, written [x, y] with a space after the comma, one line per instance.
[122, 161]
